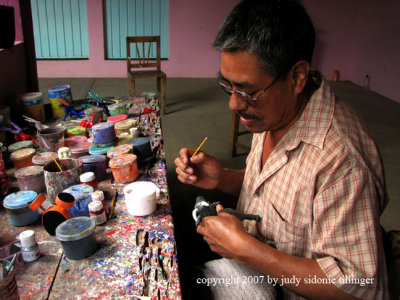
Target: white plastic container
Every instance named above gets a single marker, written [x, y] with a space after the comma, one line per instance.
[140, 198]
[33, 105]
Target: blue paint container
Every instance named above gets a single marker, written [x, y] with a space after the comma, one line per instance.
[104, 134]
[17, 206]
[82, 194]
[77, 237]
[56, 93]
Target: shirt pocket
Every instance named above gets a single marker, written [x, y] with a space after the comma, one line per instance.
[282, 233]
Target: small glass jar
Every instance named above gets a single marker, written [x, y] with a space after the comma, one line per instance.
[96, 211]
[90, 179]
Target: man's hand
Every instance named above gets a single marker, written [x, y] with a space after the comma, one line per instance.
[223, 233]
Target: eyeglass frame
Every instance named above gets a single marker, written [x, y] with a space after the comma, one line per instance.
[244, 95]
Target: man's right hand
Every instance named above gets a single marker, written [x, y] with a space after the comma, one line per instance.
[202, 170]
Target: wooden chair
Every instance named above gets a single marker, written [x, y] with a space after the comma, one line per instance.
[235, 133]
[142, 65]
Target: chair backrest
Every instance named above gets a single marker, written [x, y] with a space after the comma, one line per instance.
[140, 57]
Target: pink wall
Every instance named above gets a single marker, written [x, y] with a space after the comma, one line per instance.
[353, 36]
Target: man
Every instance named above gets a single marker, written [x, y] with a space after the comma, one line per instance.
[313, 173]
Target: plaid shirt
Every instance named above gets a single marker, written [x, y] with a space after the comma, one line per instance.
[321, 193]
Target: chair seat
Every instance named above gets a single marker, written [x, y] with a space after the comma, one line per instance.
[147, 74]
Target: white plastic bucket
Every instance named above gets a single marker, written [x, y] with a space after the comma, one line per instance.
[33, 105]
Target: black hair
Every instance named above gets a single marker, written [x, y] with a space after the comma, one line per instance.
[280, 32]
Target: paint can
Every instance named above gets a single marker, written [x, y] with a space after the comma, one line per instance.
[20, 145]
[23, 158]
[94, 150]
[51, 139]
[124, 126]
[119, 150]
[29, 246]
[17, 206]
[82, 194]
[43, 158]
[77, 237]
[55, 214]
[95, 164]
[62, 92]
[33, 105]
[140, 198]
[80, 149]
[69, 141]
[124, 168]
[142, 148]
[76, 131]
[104, 134]
[117, 109]
[8, 285]
[96, 111]
[56, 181]
[30, 178]
[117, 118]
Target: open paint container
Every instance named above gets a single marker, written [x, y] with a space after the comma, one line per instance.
[77, 237]
[56, 214]
[17, 206]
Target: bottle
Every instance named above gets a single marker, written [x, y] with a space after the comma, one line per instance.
[90, 179]
[99, 196]
[96, 211]
[29, 246]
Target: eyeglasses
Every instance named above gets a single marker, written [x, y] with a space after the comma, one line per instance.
[250, 99]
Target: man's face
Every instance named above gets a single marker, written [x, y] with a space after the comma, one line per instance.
[274, 109]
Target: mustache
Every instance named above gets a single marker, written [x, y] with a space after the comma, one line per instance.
[247, 116]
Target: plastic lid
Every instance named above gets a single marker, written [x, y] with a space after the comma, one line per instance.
[19, 200]
[80, 147]
[87, 177]
[75, 229]
[122, 149]
[32, 96]
[97, 196]
[43, 158]
[117, 118]
[23, 153]
[80, 191]
[59, 88]
[20, 145]
[88, 159]
[122, 160]
[28, 171]
[76, 130]
[117, 105]
[102, 125]
[125, 124]
[74, 139]
[95, 206]
[99, 150]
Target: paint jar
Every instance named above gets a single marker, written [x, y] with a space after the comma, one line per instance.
[90, 179]
[20, 145]
[99, 150]
[22, 158]
[119, 150]
[99, 196]
[142, 148]
[76, 131]
[124, 168]
[140, 198]
[134, 132]
[29, 246]
[124, 138]
[30, 178]
[80, 149]
[104, 134]
[117, 118]
[33, 105]
[43, 158]
[17, 206]
[64, 153]
[124, 126]
[69, 141]
[117, 109]
[96, 111]
[77, 237]
[55, 214]
[82, 194]
[96, 210]
[56, 181]
[95, 164]
[8, 285]
[51, 139]
[59, 93]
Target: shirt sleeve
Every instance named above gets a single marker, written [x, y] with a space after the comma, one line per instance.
[346, 232]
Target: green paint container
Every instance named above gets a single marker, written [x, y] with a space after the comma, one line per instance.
[117, 109]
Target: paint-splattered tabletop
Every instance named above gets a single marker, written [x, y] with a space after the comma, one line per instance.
[136, 256]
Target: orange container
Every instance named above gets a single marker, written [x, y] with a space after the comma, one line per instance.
[124, 168]
[23, 158]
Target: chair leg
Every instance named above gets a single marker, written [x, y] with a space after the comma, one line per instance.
[131, 85]
[163, 95]
[234, 134]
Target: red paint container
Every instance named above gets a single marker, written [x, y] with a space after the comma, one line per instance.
[124, 168]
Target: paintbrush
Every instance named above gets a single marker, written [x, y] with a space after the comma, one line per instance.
[55, 160]
[110, 214]
[197, 150]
